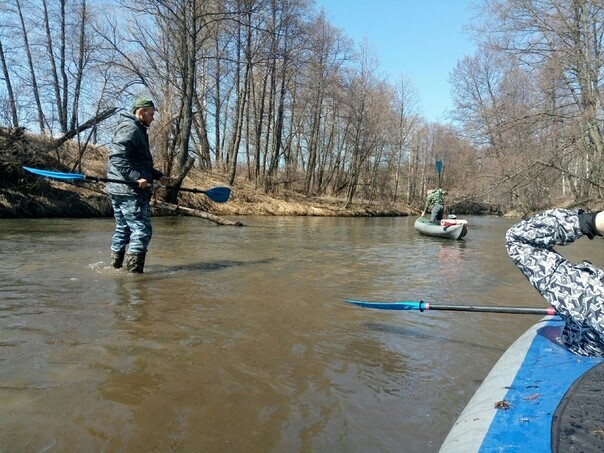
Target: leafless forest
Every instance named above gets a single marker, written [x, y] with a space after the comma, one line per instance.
[270, 91]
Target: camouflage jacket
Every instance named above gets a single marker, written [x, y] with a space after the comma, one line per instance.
[435, 196]
[576, 291]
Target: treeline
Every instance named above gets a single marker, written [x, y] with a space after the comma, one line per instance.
[270, 91]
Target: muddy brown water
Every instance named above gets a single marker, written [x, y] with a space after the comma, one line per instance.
[238, 339]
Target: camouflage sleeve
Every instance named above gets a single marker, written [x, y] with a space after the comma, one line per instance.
[576, 291]
[430, 200]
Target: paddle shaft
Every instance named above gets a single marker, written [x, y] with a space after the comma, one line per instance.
[134, 183]
[118, 181]
[489, 309]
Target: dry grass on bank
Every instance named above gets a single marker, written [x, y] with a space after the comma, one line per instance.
[247, 200]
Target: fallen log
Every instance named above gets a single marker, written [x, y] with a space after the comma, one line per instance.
[173, 208]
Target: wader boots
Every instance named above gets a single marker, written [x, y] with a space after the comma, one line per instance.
[135, 262]
[117, 259]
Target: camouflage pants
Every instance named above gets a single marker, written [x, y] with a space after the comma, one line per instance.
[576, 291]
[132, 223]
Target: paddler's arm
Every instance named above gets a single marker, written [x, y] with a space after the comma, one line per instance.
[575, 290]
[531, 242]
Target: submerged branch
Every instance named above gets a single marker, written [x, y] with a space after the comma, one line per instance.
[173, 208]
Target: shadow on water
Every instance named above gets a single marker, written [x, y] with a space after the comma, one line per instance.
[158, 270]
[423, 335]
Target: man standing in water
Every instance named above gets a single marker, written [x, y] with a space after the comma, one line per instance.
[130, 160]
[575, 290]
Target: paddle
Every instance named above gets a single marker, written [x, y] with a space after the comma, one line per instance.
[217, 194]
[423, 306]
[439, 169]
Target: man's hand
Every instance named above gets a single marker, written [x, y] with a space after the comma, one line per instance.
[142, 183]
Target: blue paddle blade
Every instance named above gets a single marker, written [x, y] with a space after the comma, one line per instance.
[388, 305]
[218, 194]
[439, 166]
[56, 174]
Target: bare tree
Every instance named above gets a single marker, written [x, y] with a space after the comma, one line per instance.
[9, 88]
[560, 40]
[328, 51]
[32, 72]
[365, 114]
[408, 120]
[60, 83]
[496, 104]
[287, 27]
[242, 84]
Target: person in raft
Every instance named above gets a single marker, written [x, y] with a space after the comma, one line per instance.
[576, 291]
[436, 201]
[130, 160]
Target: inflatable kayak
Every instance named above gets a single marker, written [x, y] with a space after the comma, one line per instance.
[448, 229]
[539, 397]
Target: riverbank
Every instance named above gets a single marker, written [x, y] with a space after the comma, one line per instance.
[85, 199]
[24, 195]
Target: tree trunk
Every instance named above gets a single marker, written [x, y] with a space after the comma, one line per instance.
[34, 83]
[202, 132]
[241, 101]
[9, 89]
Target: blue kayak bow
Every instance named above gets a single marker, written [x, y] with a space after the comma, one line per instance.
[217, 194]
[423, 306]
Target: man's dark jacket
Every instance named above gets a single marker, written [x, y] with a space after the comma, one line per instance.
[130, 157]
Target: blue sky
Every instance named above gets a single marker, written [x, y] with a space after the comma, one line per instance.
[420, 39]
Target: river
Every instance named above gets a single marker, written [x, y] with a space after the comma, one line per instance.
[237, 339]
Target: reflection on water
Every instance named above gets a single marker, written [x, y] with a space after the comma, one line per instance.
[237, 339]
